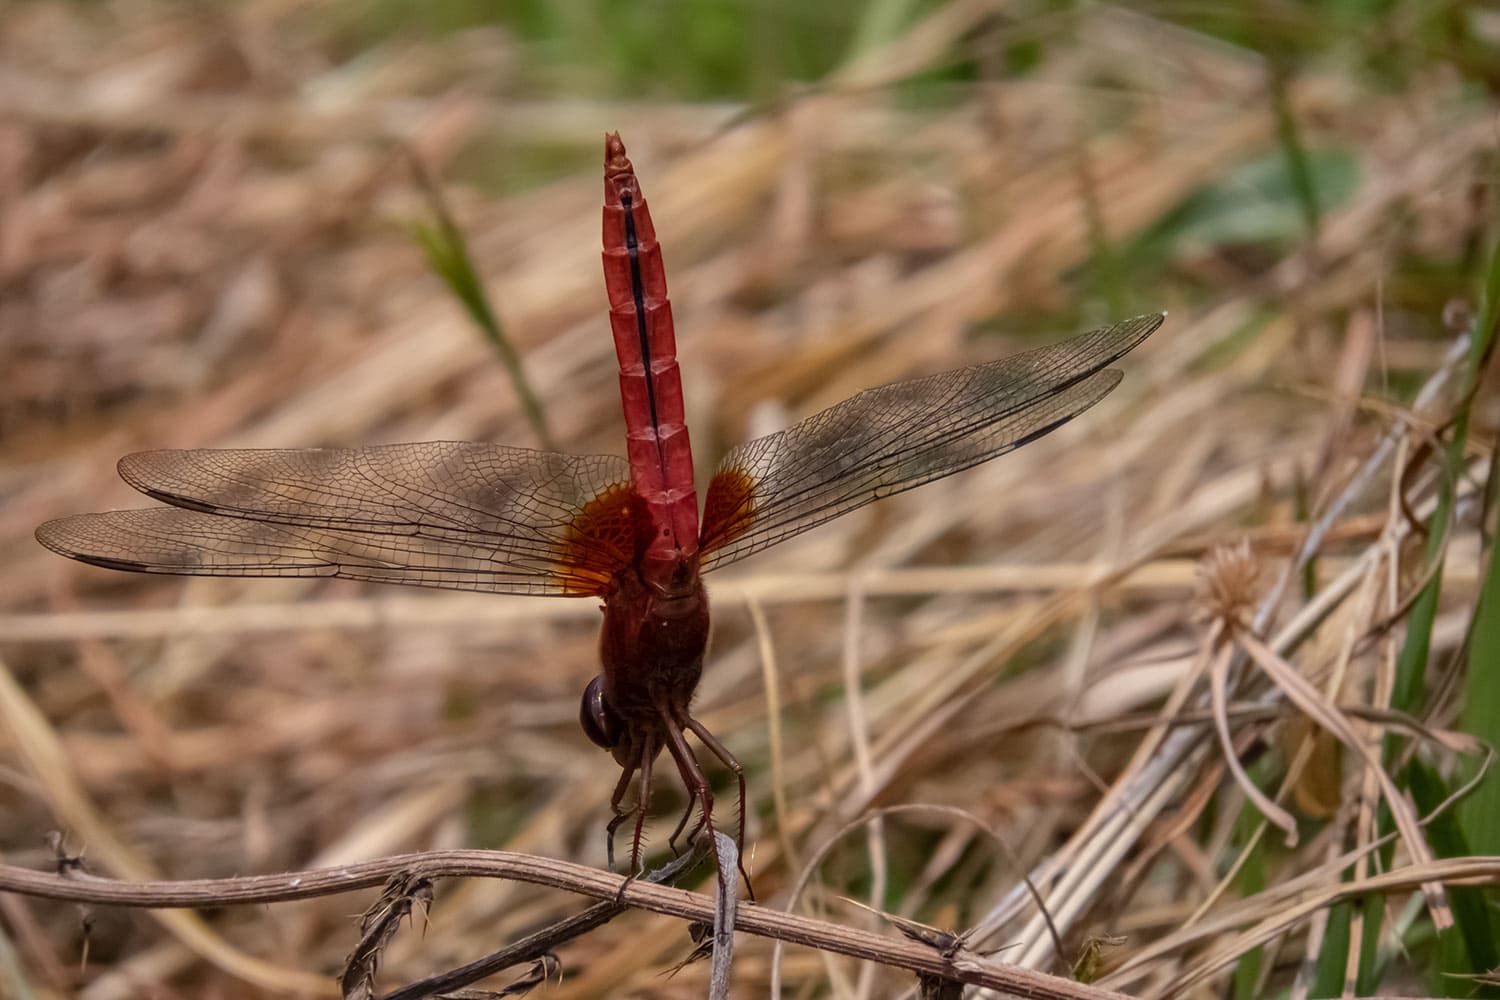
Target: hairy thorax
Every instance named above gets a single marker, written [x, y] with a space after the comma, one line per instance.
[652, 645]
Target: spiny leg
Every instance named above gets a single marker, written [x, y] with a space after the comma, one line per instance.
[621, 815]
[687, 814]
[648, 757]
[692, 776]
[729, 760]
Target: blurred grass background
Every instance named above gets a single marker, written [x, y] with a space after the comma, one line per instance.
[206, 239]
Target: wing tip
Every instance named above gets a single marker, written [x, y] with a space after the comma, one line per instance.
[1149, 322]
[46, 535]
[57, 536]
[1128, 334]
[135, 458]
[123, 565]
[142, 472]
[132, 469]
[1080, 398]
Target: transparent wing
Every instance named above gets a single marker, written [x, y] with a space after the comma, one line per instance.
[450, 514]
[893, 438]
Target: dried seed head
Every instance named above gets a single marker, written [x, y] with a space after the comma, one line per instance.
[1227, 580]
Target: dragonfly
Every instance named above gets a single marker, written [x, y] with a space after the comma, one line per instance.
[477, 516]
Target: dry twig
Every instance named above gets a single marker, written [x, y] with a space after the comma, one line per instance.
[901, 952]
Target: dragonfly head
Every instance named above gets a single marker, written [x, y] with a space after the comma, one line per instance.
[599, 721]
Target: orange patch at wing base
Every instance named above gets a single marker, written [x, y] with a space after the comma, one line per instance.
[600, 541]
[728, 509]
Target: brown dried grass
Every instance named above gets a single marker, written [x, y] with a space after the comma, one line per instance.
[196, 253]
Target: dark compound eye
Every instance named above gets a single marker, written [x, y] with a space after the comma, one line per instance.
[598, 720]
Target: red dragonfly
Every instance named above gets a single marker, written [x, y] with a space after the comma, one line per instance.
[466, 515]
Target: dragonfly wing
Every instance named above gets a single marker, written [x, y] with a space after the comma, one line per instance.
[450, 514]
[889, 439]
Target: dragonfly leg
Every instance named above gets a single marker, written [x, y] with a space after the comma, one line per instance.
[687, 814]
[729, 760]
[620, 815]
[698, 788]
[648, 756]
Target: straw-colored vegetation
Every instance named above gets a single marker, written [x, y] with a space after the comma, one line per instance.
[1209, 663]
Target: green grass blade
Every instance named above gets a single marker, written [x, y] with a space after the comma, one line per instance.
[882, 22]
[1328, 979]
[448, 255]
[1481, 712]
[1411, 664]
[1409, 694]
[1298, 165]
[1469, 946]
[1480, 813]
[1249, 971]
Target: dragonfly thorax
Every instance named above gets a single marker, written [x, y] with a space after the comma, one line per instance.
[673, 584]
[651, 646]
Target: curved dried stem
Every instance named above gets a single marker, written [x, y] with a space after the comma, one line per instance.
[898, 952]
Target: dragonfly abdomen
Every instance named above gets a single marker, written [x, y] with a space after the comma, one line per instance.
[640, 315]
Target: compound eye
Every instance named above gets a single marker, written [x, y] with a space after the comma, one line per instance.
[599, 723]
